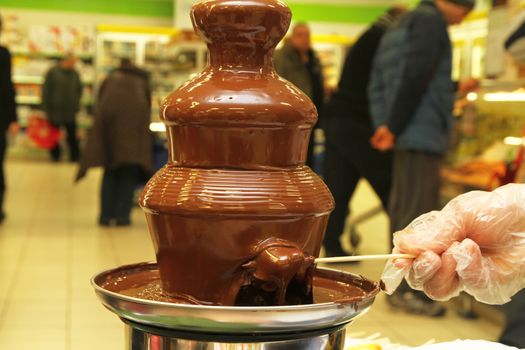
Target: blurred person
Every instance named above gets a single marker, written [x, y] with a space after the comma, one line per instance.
[298, 63]
[61, 95]
[514, 331]
[476, 244]
[515, 43]
[8, 116]
[348, 128]
[120, 141]
[411, 97]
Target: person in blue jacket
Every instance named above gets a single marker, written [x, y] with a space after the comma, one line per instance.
[347, 125]
[411, 96]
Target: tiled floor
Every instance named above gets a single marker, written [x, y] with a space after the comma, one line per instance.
[50, 246]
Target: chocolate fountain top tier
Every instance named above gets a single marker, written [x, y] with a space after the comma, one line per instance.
[238, 113]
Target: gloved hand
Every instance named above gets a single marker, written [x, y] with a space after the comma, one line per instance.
[476, 244]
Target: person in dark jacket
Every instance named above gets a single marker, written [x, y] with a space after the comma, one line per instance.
[120, 141]
[8, 117]
[348, 129]
[411, 99]
[298, 63]
[515, 43]
[513, 333]
[61, 95]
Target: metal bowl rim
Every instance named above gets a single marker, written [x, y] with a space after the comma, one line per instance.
[247, 309]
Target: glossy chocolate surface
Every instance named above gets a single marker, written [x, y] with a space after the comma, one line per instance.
[208, 257]
[238, 113]
[235, 216]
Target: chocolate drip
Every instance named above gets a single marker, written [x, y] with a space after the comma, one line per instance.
[276, 265]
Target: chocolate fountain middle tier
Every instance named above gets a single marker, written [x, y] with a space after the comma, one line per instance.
[212, 228]
[238, 119]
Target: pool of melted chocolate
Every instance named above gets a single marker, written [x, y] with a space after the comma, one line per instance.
[143, 282]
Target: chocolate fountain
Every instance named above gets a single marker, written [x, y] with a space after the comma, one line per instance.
[236, 218]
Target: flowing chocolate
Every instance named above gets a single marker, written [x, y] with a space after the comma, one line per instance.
[276, 265]
[235, 207]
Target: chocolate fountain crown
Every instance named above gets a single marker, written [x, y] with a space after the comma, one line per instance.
[241, 32]
[238, 113]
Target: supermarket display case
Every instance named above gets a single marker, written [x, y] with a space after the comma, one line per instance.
[37, 48]
[30, 68]
[488, 148]
[488, 144]
[331, 50]
[469, 42]
[169, 57]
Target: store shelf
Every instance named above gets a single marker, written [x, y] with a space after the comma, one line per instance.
[507, 85]
[28, 100]
[28, 79]
[170, 63]
[137, 30]
[37, 80]
[333, 39]
[51, 54]
[36, 100]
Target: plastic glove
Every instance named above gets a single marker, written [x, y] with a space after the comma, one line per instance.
[475, 244]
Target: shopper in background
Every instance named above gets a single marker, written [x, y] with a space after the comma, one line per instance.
[514, 332]
[515, 42]
[61, 95]
[411, 98]
[475, 244]
[8, 117]
[120, 141]
[348, 129]
[298, 63]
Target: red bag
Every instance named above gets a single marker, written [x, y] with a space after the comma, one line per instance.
[44, 134]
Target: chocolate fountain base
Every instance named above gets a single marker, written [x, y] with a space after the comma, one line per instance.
[339, 297]
[142, 337]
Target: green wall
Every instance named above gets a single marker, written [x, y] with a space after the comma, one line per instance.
[153, 8]
[310, 12]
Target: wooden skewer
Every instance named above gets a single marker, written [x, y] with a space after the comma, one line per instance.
[344, 259]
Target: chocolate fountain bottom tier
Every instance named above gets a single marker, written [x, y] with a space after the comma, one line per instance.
[216, 231]
[209, 259]
[338, 298]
